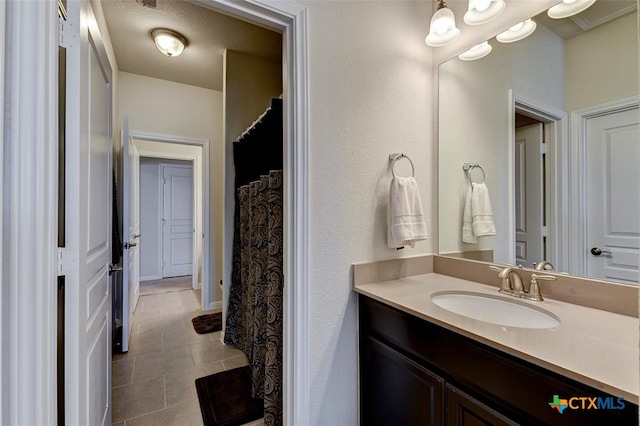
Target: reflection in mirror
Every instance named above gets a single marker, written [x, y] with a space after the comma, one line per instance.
[553, 122]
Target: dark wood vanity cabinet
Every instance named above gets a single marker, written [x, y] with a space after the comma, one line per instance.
[413, 372]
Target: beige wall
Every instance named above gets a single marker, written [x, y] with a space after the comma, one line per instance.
[602, 64]
[249, 85]
[168, 108]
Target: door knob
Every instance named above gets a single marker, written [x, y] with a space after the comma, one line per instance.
[128, 245]
[597, 251]
[114, 268]
[137, 235]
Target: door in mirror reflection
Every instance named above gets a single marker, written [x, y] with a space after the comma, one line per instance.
[529, 194]
[613, 198]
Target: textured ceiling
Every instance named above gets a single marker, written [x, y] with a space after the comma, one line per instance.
[208, 33]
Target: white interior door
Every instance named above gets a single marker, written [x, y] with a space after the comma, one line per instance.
[529, 184]
[177, 220]
[88, 222]
[613, 199]
[130, 231]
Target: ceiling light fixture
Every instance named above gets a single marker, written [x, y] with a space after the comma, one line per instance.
[482, 11]
[476, 52]
[169, 42]
[569, 8]
[442, 30]
[517, 32]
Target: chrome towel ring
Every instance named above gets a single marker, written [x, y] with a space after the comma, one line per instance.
[468, 167]
[397, 156]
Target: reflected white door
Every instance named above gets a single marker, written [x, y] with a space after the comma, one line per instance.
[613, 199]
[88, 206]
[529, 184]
[130, 231]
[177, 220]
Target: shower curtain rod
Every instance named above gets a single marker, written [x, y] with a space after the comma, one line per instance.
[254, 124]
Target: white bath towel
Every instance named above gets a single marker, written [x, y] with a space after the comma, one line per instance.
[467, 222]
[481, 213]
[405, 221]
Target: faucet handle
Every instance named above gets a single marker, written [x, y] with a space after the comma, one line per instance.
[542, 277]
[534, 287]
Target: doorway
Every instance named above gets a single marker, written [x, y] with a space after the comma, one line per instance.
[291, 20]
[172, 153]
[549, 126]
[167, 225]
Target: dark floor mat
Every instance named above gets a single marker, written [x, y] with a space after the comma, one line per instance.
[225, 398]
[207, 323]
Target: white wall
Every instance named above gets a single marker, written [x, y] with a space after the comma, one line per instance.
[150, 215]
[164, 107]
[474, 122]
[370, 94]
[602, 64]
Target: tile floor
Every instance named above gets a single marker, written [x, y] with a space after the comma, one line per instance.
[154, 383]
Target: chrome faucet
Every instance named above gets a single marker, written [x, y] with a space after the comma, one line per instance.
[543, 266]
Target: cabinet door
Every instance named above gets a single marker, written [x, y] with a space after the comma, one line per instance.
[464, 410]
[395, 390]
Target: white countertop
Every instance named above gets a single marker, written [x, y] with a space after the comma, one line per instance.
[595, 347]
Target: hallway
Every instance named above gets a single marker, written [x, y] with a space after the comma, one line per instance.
[153, 384]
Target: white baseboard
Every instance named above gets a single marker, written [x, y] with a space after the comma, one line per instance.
[150, 278]
[214, 305]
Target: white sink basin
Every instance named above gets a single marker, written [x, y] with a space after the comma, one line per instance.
[495, 309]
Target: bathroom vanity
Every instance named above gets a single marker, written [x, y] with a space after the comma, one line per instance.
[424, 365]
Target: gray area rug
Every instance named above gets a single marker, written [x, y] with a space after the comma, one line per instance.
[165, 285]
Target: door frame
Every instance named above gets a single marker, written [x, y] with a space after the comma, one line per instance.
[290, 19]
[201, 171]
[578, 177]
[31, 205]
[555, 134]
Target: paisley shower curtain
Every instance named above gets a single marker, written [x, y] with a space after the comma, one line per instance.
[254, 315]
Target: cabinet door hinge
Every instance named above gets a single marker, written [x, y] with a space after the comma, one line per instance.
[67, 260]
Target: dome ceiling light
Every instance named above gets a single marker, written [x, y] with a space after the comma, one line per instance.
[170, 43]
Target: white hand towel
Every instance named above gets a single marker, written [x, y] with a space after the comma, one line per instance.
[405, 219]
[481, 213]
[467, 227]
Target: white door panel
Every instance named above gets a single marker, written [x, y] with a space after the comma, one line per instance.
[529, 185]
[177, 219]
[613, 200]
[88, 223]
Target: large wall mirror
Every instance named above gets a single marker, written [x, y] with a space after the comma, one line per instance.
[552, 121]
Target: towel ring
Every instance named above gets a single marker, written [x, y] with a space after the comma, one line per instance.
[395, 157]
[468, 167]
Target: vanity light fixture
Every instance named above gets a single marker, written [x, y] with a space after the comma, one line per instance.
[569, 8]
[517, 32]
[482, 11]
[169, 42]
[442, 30]
[476, 52]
